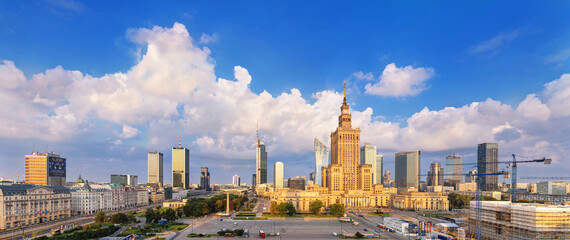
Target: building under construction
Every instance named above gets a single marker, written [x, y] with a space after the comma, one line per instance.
[506, 220]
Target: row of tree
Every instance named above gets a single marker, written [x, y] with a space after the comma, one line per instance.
[287, 208]
[153, 216]
[196, 207]
[118, 218]
[457, 201]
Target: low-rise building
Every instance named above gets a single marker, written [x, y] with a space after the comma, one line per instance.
[421, 201]
[143, 197]
[555, 199]
[27, 204]
[156, 197]
[464, 187]
[396, 224]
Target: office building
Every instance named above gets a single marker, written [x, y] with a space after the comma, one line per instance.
[471, 176]
[453, 168]
[236, 181]
[487, 161]
[180, 166]
[278, 175]
[155, 168]
[296, 183]
[368, 156]
[551, 187]
[205, 179]
[506, 220]
[125, 179]
[28, 204]
[387, 178]
[321, 160]
[377, 174]
[260, 162]
[435, 175]
[407, 169]
[342, 173]
[45, 169]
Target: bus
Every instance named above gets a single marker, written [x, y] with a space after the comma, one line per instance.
[345, 219]
[261, 234]
[245, 233]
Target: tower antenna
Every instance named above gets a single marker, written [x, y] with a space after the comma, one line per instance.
[344, 100]
[179, 143]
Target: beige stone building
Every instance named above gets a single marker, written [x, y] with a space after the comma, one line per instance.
[27, 204]
[421, 201]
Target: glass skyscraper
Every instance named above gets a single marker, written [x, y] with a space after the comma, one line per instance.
[368, 156]
[321, 160]
[453, 168]
[260, 163]
[487, 161]
[408, 169]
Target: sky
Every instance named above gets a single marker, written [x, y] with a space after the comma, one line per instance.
[103, 83]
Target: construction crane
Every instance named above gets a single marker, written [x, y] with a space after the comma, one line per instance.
[546, 178]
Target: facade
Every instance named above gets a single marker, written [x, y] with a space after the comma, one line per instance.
[205, 179]
[387, 179]
[180, 166]
[143, 197]
[453, 168]
[236, 180]
[27, 204]
[396, 224]
[377, 174]
[487, 162]
[471, 176]
[555, 199]
[124, 179]
[551, 187]
[278, 175]
[408, 169]
[321, 160]
[517, 221]
[435, 175]
[342, 173]
[155, 167]
[470, 186]
[421, 201]
[260, 163]
[368, 156]
[156, 197]
[87, 201]
[45, 169]
[296, 183]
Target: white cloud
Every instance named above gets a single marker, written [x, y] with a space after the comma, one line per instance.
[557, 93]
[532, 107]
[12, 77]
[363, 76]
[205, 38]
[494, 44]
[400, 82]
[129, 132]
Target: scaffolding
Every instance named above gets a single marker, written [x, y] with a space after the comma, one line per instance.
[517, 221]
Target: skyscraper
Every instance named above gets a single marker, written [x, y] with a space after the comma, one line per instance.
[368, 156]
[387, 178]
[236, 181]
[278, 175]
[45, 169]
[321, 160]
[378, 179]
[260, 163]
[125, 179]
[453, 168]
[487, 161]
[408, 169]
[180, 166]
[155, 167]
[435, 175]
[342, 173]
[205, 179]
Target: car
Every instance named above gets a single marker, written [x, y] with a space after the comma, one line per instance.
[228, 235]
[365, 229]
[334, 234]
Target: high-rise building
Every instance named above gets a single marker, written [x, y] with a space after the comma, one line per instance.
[368, 156]
[453, 168]
[487, 161]
[342, 173]
[155, 167]
[278, 175]
[379, 168]
[125, 179]
[551, 187]
[321, 160]
[471, 176]
[260, 162]
[387, 178]
[253, 179]
[180, 166]
[205, 179]
[408, 169]
[435, 175]
[296, 183]
[45, 169]
[236, 181]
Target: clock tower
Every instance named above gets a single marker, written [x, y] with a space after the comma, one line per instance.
[344, 118]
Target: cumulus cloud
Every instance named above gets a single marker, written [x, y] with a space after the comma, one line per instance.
[129, 132]
[205, 38]
[558, 95]
[400, 82]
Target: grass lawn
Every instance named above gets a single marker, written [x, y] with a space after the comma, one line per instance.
[176, 226]
[196, 235]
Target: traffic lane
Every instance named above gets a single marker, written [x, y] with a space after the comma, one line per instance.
[372, 223]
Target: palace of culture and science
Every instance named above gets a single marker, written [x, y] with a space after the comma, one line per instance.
[348, 182]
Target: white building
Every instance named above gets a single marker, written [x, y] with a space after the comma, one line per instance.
[321, 159]
[278, 175]
[131, 195]
[551, 187]
[87, 200]
[396, 224]
[119, 196]
[236, 180]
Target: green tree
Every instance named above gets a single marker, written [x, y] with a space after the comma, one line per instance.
[359, 235]
[273, 208]
[237, 203]
[315, 206]
[119, 218]
[337, 209]
[282, 208]
[290, 209]
[150, 215]
[219, 205]
[169, 214]
[100, 217]
[203, 208]
[132, 218]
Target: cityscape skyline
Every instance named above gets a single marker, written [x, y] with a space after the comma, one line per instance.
[80, 95]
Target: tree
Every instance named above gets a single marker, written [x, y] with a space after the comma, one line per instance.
[150, 215]
[290, 209]
[237, 203]
[119, 218]
[359, 235]
[315, 206]
[169, 214]
[282, 208]
[132, 218]
[337, 209]
[219, 205]
[100, 217]
[273, 208]
[203, 208]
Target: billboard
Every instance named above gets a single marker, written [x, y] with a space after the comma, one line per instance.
[56, 167]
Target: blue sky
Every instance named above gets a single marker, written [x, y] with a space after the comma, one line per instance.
[405, 63]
